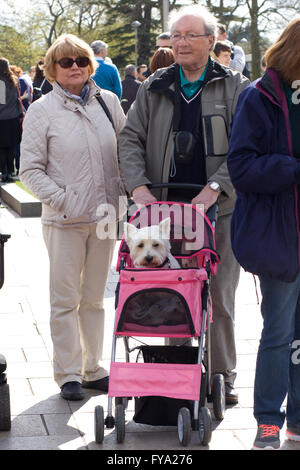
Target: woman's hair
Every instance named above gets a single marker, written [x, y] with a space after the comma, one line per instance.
[6, 74]
[39, 70]
[67, 45]
[163, 57]
[17, 71]
[284, 55]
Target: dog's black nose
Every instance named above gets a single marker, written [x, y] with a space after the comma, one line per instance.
[149, 258]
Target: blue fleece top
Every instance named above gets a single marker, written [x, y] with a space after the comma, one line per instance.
[107, 77]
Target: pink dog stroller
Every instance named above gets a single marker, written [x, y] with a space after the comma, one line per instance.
[170, 384]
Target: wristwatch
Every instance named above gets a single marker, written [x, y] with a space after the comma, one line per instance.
[215, 186]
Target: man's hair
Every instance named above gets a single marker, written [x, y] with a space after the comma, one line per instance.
[284, 55]
[165, 35]
[210, 22]
[98, 46]
[130, 69]
[140, 66]
[221, 46]
[222, 28]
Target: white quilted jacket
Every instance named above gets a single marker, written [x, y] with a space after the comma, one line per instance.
[69, 156]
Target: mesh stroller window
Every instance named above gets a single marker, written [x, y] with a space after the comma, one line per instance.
[156, 308]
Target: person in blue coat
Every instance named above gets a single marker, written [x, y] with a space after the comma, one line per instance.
[264, 167]
[107, 75]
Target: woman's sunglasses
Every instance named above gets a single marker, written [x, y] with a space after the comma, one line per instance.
[67, 62]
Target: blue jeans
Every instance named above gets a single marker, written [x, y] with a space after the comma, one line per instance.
[278, 358]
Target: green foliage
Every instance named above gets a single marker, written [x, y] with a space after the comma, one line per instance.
[18, 48]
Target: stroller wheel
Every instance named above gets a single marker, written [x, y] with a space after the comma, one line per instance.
[5, 418]
[218, 396]
[120, 423]
[99, 424]
[121, 401]
[184, 426]
[205, 426]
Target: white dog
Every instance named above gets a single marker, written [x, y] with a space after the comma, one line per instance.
[150, 246]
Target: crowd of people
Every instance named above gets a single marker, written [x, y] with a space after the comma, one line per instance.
[100, 138]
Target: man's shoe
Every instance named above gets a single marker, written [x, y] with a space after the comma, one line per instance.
[100, 384]
[267, 437]
[72, 391]
[231, 397]
[293, 434]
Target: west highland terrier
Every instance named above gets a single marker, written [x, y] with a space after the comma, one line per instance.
[150, 246]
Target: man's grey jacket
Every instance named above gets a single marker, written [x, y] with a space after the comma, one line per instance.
[146, 141]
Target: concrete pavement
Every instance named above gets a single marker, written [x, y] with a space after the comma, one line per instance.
[41, 419]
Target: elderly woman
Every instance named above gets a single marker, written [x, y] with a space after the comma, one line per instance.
[264, 166]
[69, 161]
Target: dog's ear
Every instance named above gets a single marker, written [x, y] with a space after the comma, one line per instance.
[129, 231]
[165, 228]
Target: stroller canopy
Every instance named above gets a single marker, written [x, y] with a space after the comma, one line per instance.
[191, 234]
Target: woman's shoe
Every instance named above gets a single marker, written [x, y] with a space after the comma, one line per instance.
[72, 391]
[267, 437]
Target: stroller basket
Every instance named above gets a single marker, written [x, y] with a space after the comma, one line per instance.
[163, 411]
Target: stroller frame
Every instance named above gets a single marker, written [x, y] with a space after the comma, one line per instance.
[212, 390]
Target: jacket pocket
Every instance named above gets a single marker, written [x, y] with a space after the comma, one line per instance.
[264, 235]
[215, 135]
[76, 206]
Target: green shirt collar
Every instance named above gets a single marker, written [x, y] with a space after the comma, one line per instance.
[190, 88]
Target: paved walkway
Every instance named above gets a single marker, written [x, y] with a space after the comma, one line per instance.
[41, 419]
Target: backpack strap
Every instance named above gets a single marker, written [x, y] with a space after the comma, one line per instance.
[105, 109]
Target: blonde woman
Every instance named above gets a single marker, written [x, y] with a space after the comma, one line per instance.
[263, 163]
[69, 161]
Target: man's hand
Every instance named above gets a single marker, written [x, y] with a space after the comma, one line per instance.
[142, 196]
[207, 197]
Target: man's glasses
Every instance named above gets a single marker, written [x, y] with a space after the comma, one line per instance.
[189, 37]
[67, 62]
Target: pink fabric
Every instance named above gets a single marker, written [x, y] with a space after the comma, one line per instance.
[181, 381]
[187, 282]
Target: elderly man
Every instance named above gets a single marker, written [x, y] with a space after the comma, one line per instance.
[199, 96]
[107, 75]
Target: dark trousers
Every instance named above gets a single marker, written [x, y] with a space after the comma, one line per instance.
[6, 161]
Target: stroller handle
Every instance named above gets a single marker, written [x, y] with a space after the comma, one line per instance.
[212, 212]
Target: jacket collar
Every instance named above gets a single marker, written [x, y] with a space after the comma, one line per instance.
[271, 86]
[164, 83]
[70, 102]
